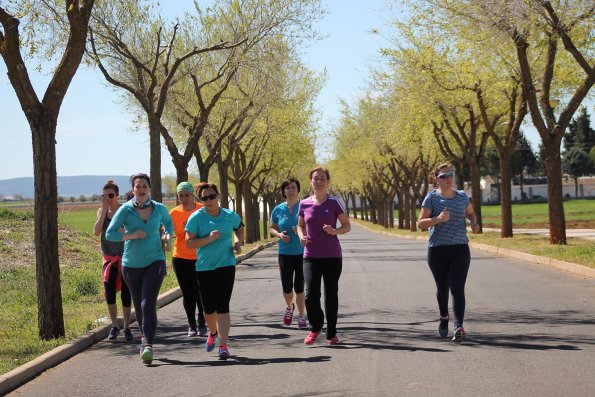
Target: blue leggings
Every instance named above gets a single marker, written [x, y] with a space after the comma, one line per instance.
[144, 284]
[449, 265]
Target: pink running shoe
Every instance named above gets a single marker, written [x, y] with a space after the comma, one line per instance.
[288, 317]
[458, 335]
[333, 341]
[311, 338]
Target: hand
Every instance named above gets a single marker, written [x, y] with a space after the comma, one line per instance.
[284, 237]
[139, 234]
[215, 235]
[475, 228]
[444, 216]
[237, 247]
[329, 230]
[104, 203]
[305, 240]
[166, 242]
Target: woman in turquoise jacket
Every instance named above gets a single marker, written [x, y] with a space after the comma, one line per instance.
[143, 261]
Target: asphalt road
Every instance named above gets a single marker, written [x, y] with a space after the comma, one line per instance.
[530, 332]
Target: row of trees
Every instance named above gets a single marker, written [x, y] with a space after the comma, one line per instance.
[461, 79]
[223, 85]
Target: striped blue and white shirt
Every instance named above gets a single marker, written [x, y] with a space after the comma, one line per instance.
[454, 231]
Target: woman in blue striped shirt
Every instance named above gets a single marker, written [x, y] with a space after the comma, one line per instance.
[443, 211]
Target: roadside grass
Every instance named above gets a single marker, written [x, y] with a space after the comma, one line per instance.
[579, 251]
[80, 274]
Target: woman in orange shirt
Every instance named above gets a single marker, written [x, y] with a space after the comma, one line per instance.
[184, 260]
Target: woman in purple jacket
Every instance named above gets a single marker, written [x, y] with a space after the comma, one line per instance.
[323, 260]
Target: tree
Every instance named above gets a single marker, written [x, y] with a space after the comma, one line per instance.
[580, 132]
[523, 160]
[42, 116]
[576, 163]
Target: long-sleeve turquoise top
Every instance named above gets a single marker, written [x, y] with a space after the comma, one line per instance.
[143, 251]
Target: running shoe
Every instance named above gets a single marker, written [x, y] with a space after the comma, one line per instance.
[128, 335]
[113, 334]
[192, 331]
[311, 338]
[443, 327]
[459, 334]
[202, 329]
[211, 343]
[302, 323]
[288, 316]
[223, 352]
[147, 354]
[333, 341]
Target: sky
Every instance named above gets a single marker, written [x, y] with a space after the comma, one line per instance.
[96, 136]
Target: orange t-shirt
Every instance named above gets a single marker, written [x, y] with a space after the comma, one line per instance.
[180, 217]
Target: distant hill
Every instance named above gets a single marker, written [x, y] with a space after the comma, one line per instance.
[67, 185]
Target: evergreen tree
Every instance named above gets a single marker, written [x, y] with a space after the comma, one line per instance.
[580, 134]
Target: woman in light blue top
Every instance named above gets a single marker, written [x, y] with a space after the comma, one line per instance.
[143, 261]
[284, 220]
[211, 230]
[443, 211]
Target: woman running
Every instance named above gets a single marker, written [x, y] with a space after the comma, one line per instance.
[210, 231]
[143, 262]
[443, 211]
[112, 263]
[323, 260]
[284, 219]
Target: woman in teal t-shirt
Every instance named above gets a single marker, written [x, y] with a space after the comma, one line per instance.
[210, 230]
[284, 220]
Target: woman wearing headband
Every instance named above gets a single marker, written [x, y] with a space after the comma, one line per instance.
[143, 262]
[112, 263]
[443, 211]
[184, 259]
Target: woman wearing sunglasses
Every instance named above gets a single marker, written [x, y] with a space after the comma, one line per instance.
[443, 211]
[284, 219]
[184, 259]
[112, 263]
[143, 262]
[323, 258]
[210, 231]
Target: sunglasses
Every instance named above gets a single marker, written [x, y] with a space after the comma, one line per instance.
[211, 196]
[446, 175]
[110, 195]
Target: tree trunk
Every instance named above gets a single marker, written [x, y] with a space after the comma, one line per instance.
[50, 316]
[406, 211]
[155, 153]
[353, 205]
[555, 198]
[476, 192]
[249, 214]
[505, 195]
[412, 208]
[576, 187]
[401, 210]
[223, 184]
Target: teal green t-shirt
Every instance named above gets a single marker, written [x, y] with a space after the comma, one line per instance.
[140, 252]
[218, 253]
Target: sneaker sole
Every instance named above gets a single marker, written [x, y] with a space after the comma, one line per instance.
[458, 338]
[223, 356]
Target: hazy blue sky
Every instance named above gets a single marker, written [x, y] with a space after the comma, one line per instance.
[95, 136]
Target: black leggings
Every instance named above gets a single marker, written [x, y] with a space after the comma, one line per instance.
[144, 284]
[215, 288]
[329, 270]
[291, 268]
[184, 270]
[109, 288]
[449, 265]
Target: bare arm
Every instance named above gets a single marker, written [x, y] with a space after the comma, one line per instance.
[426, 221]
